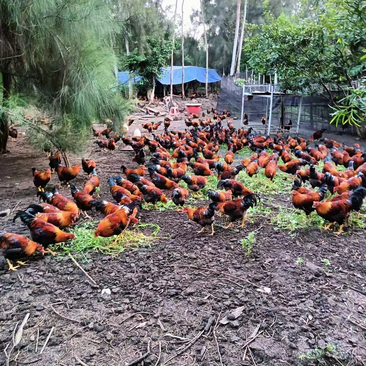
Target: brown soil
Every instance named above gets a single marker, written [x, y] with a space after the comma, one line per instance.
[165, 295]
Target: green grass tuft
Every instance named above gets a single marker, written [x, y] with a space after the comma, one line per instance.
[86, 242]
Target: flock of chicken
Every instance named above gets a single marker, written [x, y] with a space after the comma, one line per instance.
[170, 162]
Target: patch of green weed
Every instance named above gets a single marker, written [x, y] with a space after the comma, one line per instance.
[85, 241]
[259, 183]
[248, 242]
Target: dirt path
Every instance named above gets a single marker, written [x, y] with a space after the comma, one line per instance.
[165, 295]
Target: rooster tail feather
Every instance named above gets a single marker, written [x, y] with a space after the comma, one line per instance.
[26, 217]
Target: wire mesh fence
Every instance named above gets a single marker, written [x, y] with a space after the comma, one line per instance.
[315, 109]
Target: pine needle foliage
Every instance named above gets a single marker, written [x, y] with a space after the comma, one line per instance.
[65, 60]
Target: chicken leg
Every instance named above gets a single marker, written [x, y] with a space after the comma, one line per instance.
[11, 267]
[201, 231]
[327, 227]
[212, 229]
[340, 231]
[229, 226]
[242, 222]
[48, 250]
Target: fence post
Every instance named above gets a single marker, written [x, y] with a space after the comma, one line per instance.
[270, 111]
[242, 105]
[298, 116]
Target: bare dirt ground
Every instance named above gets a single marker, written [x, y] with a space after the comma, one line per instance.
[169, 298]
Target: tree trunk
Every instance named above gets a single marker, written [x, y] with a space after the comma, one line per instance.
[206, 46]
[172, 57]
[151, 93]
[129, 75]
[4, 126]
[242, 37]
[183, 96]
[235, 45]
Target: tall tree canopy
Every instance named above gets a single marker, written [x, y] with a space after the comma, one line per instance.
[60, 53]
[322, 47]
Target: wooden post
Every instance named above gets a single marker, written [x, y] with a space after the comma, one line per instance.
[299, 116]
[206, 47]
[183, 96]
[270, 111]
[172, 57]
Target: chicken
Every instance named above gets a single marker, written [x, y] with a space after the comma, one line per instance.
[200, 169]
[82, 199]
[111, 145]
[13, 133]
[236, 209]
[160, 181]
[339, 211]
[55, 160]
[67, 174]
[134, 178]
[41, 179]
[125, 183]
[140, 157]
[105, 207]
[337, 156]
[179, 196]
[46, 207]
[350, 184]
[271, 169]
[61, 219]
[58, 200]
[175, 174]
[43, 232]
[103, 144]
[152, 194]
[219, 196]
[167, 123]
[140, 171]
[316, 179]
[317, 135]
[195, 183]
[204, 216]
[252, 168]
[117, 191]
[304, 201]
[88, 165]
[237, 188]
[229, 157]
[92, 184]
[15, 247]
[292, 166]
[116, 222]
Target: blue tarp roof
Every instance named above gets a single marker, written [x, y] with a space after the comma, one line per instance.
[124, 76]
[190, 73]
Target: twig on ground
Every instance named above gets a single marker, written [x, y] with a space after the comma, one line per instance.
[63, 316]
[253, 336]
[138, 360]
[37, 339]
[189, 345]
[176, 337]
[47, 339]
[215, 337]
[159, 356]
[86, 274]
[355, 323]
[15, 206]
[29, 362]
[251, 355]
[78, 360]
